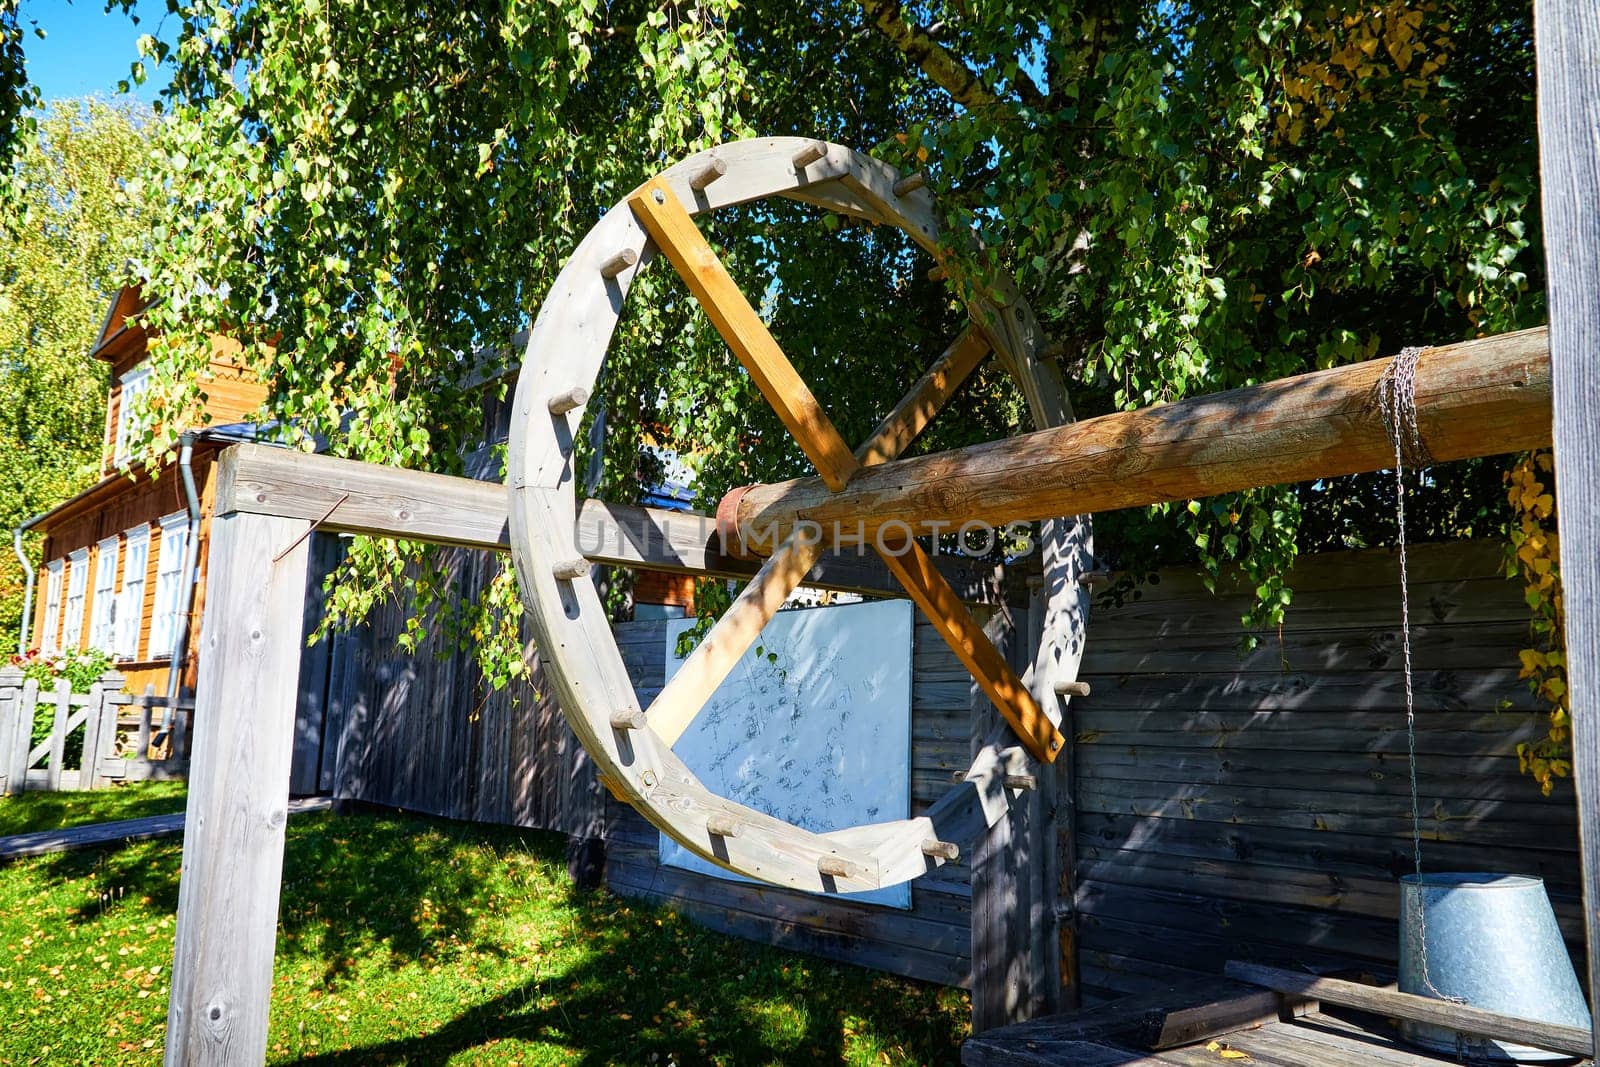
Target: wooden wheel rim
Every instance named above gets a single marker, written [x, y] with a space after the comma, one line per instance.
[577, 649]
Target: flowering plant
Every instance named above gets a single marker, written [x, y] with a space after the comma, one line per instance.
[81, 669]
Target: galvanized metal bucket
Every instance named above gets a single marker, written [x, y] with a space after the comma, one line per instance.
[1491, 941]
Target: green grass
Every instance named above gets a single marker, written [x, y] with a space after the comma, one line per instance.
[421, 941]
[57, 811]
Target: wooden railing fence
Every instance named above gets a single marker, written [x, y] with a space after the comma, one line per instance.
[117, 731]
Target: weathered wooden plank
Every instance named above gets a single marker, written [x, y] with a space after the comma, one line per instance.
[1488, 688]
[1567, 47]
[122, 831]
[1374, 897]
[16, 734]
[1391, 1002]
[238, 792]
[1447, 647]
[311, 700]
[344, 496]
[1273, 848]
[875, 937]
[90, 754]
[1197, 1010]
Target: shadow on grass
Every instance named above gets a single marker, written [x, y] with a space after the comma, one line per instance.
[600, 979]
[651, 987]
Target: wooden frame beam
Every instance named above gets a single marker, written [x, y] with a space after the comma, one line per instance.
[349, 497]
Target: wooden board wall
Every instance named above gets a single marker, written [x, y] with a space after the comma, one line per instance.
[1228, 806]
[931, 941]
[1256, 806]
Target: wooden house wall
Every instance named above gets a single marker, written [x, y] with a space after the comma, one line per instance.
[228, 394]
[123, 506]
[1251, 806]
[1257, 805]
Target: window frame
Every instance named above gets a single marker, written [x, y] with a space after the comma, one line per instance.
[103, 606]
[132, 384]
[54, 571]
[164, 621]
[72, 618]
[130, 614]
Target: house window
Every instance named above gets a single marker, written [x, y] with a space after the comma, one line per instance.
[77, 590]
[103, 612]
[171, 556]
[134, 383]
[52, 604]
[130, 601]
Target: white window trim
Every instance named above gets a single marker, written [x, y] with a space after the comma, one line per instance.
[103, 612]
[52, 604]
[170, 573]
[130, 609]
[77, 590]
[133, 383]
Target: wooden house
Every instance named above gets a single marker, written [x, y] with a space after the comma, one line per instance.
[118, 557]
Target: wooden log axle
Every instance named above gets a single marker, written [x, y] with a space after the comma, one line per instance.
[1478, 398]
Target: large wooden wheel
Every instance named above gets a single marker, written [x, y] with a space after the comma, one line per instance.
[632, 747]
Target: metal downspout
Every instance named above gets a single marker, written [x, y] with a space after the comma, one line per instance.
[180, 647]
[27, 594]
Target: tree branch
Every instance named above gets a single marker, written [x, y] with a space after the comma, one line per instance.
[937, 62]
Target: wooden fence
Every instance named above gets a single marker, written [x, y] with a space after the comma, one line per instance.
[96, 738]
[1256, 805]
[1226, 805]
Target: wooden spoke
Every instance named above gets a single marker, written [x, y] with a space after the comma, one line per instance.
[676, 706]
[686, 692]
[674, 232]
[911, 565]
[933, 390]
[669, 224]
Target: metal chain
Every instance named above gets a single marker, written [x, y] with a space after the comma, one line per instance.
[1397, 401]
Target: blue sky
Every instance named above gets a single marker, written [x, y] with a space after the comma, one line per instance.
[86, 50]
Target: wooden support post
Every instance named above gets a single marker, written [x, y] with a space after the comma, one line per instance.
[1002, 895]
[146, 709]
[110, 705]
[12, 736]
[1567, 44]
[58, 733]
[238, 791]
[89, 759]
